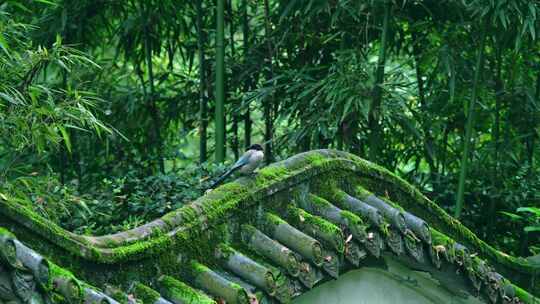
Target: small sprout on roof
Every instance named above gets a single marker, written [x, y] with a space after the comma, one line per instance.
[503, 254]
[253, 299]
[439, 249]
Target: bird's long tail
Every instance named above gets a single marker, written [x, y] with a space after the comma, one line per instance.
[220, 179]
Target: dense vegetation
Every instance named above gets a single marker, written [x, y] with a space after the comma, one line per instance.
[114, 112]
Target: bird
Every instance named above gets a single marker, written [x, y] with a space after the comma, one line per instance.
[246, 164]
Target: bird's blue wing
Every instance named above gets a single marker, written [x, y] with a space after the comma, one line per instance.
[244, 159]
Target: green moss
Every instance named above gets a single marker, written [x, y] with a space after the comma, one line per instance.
[524, 296]
[117, 294]
[440, 239]
[225, 251]
[274, 219]
[362, 193]
[145, 294]
[6, 234]
[319, 203]
[232, 200]
[352, 218]
[74, 291]
[198, 268]
[315, 159]
[270, 173]
[319, 227]
[179, 292]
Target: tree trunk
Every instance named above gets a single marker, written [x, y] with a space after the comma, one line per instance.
[202, 86]
[152, 103]
[492, 208]
[247, 81]
[470, 126]
[220, 83]
[203, 143]
[426, 126]
[234, 142]
[269, 101]
[534, 123]
[374, 115]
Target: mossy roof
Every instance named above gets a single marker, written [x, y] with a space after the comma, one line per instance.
[267, 238]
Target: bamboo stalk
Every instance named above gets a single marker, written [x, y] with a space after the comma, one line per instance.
[247, 82]
[220, 82]
[470, 125]
[202, 85]
[374, 111]
[269, 102]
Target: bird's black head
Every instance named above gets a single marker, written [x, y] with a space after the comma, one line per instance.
[256, 147]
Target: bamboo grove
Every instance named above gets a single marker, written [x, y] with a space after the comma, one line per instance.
[95, 94]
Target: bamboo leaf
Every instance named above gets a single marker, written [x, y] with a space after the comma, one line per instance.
[66, 138]
[533, 210]
[531, 229]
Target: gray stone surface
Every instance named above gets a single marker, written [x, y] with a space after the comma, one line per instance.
[377, 286]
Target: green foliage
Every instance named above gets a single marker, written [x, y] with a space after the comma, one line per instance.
[126, 202]
[301, 74]
[37, 115]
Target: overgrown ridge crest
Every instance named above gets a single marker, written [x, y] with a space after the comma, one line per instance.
[340, 208]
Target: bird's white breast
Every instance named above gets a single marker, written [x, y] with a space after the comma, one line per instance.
[255, 159]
